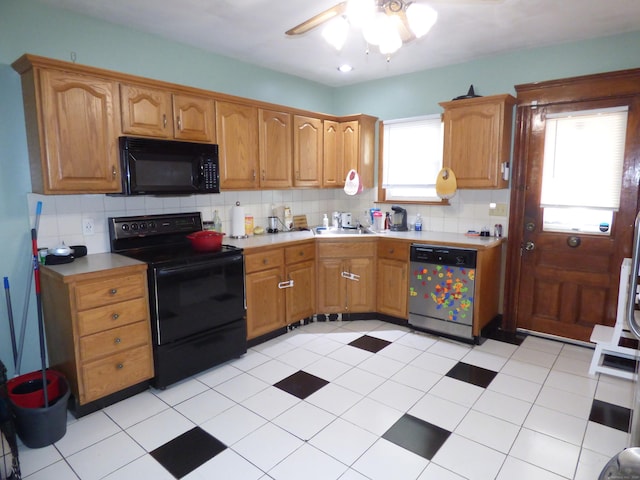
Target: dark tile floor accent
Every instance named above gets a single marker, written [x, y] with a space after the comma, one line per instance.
[621, 363]
[188, 451]
[610, 415]
[416, 435]
[370, 344]
[301, 384]
[478, 376]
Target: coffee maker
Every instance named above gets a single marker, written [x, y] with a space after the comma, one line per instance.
[398, 219]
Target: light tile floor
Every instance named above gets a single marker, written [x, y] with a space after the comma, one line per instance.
[531, 421]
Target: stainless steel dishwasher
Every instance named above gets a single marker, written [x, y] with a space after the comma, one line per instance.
[441, 290]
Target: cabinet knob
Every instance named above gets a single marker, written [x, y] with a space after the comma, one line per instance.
[265, 261]
[179, 123]
[113, 291]
[115, 316]
[120, 366]
[164, 120]
[301, 253]
[117, 340]
[391, 250]
[113, 172]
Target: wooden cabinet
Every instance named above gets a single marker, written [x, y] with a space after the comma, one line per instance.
[346, 276]
[307, 151]
[280, 287]
[159, 113]
[392, 285]
[349, 145]
[477, 140]
[276, 148]
[237, 136]
[72, 129]
[98, 328]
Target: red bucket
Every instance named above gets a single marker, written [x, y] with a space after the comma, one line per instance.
[26, 390]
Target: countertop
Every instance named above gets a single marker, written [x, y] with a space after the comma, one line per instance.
[436, 238]
[95, 262]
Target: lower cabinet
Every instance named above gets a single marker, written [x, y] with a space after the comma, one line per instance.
[392, 280]
[280, 287]
[98, 329]
[346, 276]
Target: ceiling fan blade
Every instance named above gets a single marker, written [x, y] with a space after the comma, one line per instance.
[318, 19]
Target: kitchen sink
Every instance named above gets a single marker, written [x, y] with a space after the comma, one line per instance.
[343, 231]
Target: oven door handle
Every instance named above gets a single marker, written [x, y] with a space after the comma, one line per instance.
[196, 267]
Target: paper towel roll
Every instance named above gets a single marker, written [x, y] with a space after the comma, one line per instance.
[237, 221]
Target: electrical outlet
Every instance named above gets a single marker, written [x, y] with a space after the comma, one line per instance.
[498, 209]
[88, 226]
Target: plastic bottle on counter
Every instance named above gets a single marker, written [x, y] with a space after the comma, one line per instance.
[418, 225]
[217, 223]
[325, 221]
[387, 221]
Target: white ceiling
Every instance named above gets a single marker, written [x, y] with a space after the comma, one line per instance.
[253, 31]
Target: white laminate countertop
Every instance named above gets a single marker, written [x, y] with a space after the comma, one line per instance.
[437, 238]
[95, 262]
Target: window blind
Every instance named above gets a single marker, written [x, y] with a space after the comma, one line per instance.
[583, 158]
[412, 152]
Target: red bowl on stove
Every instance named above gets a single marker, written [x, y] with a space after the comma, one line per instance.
[206, 240]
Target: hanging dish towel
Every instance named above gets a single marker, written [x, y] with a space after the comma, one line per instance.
[446, 184]
[352, 184]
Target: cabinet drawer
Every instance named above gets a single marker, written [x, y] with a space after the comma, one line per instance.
[114, 340]
[299, 253]
[255, 262]
[111, 316]
[116, 372]
[393, 250]
[110, 290]
[347, 249]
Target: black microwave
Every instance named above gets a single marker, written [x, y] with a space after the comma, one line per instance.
[167, 167]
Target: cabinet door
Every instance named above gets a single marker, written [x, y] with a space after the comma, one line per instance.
[301, 299]
[332, 290]
[80, 127]
[275, 132]
[193, 118]
[237, 136]
[146, 111]
[349, 146]
[477, 140]
[361, 293]
[307, 151]
[332, 169]
[392, 287]
[265, 302]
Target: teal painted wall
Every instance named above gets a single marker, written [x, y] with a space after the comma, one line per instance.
[27, 26]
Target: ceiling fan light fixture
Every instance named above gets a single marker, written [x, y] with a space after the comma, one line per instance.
[373, 28]
[336, 31]
[420, 18]
[360, 11]
[390, 40]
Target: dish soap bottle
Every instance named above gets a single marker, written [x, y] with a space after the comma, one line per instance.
[217, 223]
[325, 221]
[418, 226]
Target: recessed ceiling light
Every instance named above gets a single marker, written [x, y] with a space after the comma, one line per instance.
[345, 68]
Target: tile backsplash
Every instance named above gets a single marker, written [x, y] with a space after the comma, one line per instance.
[62, 215]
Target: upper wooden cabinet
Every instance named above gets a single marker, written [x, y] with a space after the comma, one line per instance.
[307, 151]
[237, 134]
[159, 113]
[349, 145]
[72, 129]
[477, 140]
[276, 148]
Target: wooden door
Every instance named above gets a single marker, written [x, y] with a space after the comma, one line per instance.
[331, 286]
[193, 118]
[276, 147]
[301, 298]
[146, 111]
[349, 142]
[361, 293]
[392, 291]
[237, 136]
[307, 151]
[265, 302]
[565, 283]
[332, 155]
[79, 118]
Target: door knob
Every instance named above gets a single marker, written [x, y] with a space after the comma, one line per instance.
[573, 242]
[529, 246]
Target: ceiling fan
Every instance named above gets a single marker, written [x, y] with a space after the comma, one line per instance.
[387, 23]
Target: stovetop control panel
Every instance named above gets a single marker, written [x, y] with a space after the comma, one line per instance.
[153, 225]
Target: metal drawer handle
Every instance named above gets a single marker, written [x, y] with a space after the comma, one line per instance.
[120, 366]
[265, 261]
[391, 250]
[115, 316]
[117, 340]
[113, 291]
